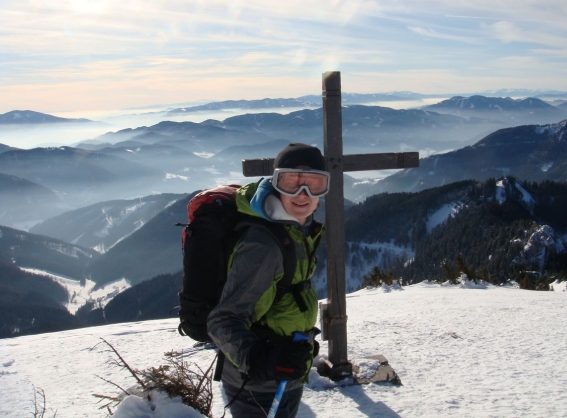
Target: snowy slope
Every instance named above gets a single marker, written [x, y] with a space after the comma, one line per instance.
[460, 351]
[81, 293]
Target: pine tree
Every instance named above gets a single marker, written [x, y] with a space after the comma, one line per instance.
[449, 273]
[374, 278]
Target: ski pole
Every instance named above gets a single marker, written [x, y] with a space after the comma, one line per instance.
[297, 336]
[277, 399]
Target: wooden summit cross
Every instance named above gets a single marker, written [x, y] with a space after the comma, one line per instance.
[333, 313]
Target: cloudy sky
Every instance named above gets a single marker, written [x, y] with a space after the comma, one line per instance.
[91, 55]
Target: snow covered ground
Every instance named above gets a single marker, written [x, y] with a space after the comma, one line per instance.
[460, 351]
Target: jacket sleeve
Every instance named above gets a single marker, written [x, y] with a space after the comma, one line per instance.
[249, 291]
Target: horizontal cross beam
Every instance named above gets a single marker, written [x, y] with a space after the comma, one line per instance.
[351, 162]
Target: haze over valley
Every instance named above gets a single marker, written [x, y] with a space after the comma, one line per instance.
[183, 156]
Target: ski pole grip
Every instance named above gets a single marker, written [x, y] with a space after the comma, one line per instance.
[300, 336]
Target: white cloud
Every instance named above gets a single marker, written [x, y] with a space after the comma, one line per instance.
[551, 53]
[430, 33]
[508, 32]
[149, 51]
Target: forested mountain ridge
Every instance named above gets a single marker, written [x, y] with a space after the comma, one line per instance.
[501, 229]
[26, 250]
[31, 304]
[103, 225]
[150, 251]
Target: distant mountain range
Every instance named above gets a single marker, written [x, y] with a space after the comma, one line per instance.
[307, 101]
[363, 126]
[358, 98]
[540, 93]
[4, 148]
[520, 111]
[310, 101]
[531, 152]
[452, 124]
[21, 117]
[247, 104]
[196, 137]
[169, 157]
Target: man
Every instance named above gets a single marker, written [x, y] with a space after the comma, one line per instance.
[253, 326]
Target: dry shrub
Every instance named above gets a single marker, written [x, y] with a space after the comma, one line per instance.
[40, 404]
[176, 378]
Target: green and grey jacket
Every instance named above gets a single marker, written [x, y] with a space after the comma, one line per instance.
[255, 267]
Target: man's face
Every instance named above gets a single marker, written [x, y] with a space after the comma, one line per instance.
[300, 206]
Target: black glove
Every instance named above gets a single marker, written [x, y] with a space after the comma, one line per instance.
[281, 360]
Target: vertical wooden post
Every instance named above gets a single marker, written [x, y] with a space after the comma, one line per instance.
[336, 283]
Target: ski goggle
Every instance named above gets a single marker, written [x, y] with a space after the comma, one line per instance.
[292, 181]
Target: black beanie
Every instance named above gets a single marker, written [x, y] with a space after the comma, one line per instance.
[297, 154]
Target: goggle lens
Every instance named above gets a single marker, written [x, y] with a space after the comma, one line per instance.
[291, 182]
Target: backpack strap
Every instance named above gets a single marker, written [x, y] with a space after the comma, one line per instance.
[280, 235]
[220, 364]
